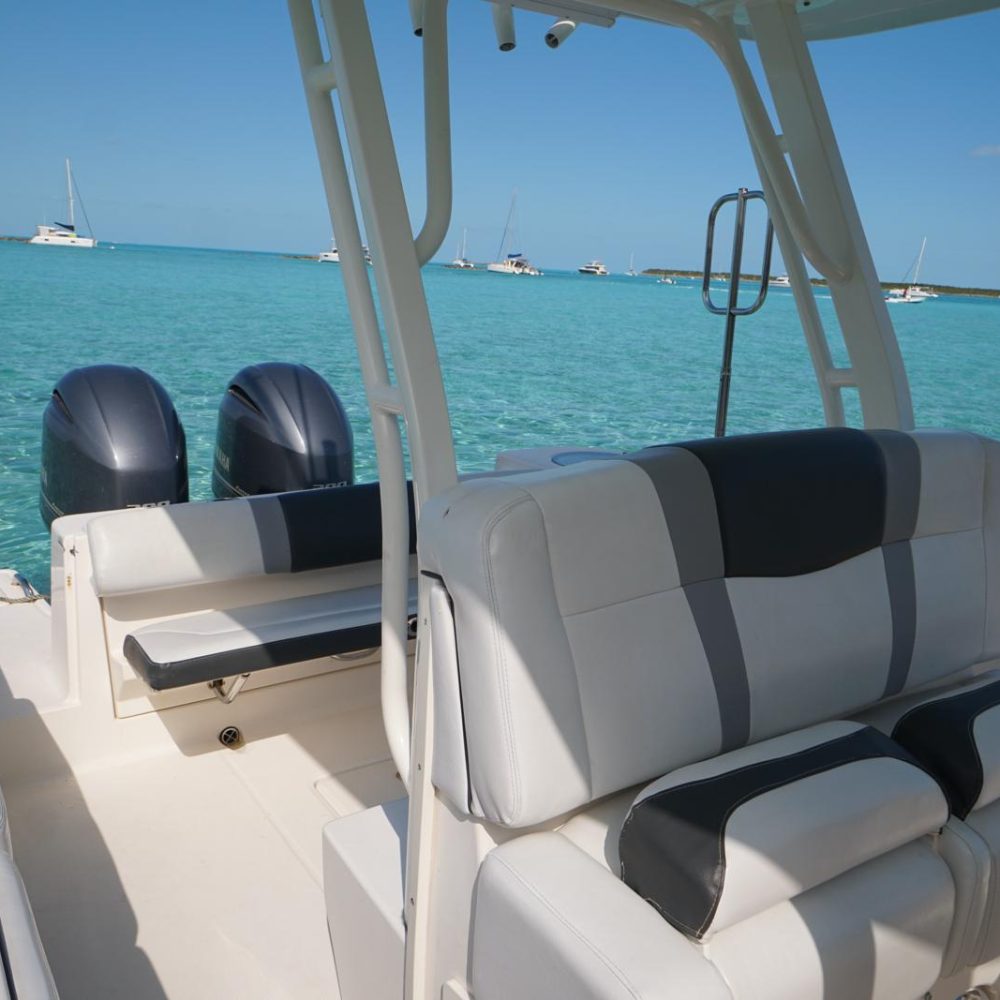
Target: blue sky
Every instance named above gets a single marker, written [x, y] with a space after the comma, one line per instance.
[186, 125]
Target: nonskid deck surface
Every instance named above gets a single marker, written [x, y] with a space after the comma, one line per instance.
[200, 876]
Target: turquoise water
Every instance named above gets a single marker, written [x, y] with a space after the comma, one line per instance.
[563, 359]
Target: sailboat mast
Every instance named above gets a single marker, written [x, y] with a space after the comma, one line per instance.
[69, 194]
[465, 233]
[506, 228]
[920, 260]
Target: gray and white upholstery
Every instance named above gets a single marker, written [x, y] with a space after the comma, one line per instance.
[190, 544]
[611, 623]
[247, 541]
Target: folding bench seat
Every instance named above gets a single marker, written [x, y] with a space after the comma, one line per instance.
[694, 617]
[192, 547]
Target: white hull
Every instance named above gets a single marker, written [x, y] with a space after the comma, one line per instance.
[51, 236]
[506, 267]
[595, 267]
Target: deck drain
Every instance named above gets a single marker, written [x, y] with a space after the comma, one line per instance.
[231, 737]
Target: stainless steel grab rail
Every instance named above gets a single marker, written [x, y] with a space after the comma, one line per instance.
[731, 310]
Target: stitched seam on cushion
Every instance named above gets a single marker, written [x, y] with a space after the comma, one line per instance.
[932, 700]
[746, 767]
[569, 649]
[575, 931]
[498, 646]
[761, 790]
[624, 600]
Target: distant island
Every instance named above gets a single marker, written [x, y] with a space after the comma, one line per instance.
[987, 293]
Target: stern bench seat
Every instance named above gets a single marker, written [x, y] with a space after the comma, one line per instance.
[204, 647]
[168, 578]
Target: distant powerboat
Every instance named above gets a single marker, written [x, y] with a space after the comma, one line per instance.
[332, 256]
[64, 234]
[665, 279]
[593, 267]
[780, 281]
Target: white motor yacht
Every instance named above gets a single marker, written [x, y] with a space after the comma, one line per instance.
[64, 234]
[593, 267]
[332, 256]
[780, 281]
[717, 719]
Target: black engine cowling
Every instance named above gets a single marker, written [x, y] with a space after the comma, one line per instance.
[281, 428]
[110, 439]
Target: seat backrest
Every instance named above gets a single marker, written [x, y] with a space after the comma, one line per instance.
[187, 544]
[615, 620]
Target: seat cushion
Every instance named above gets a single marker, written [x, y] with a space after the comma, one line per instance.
[552, 922]
[715, 843]
[199, 648]
[956, 736]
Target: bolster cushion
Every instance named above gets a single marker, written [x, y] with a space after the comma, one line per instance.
[714, 843]
[956, 736]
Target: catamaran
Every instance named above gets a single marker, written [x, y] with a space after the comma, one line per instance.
[64, 234]
[595, 267]
[511, 261]
[713, 719]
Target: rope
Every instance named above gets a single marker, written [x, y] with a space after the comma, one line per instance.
[30, 594]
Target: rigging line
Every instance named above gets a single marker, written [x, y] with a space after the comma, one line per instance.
[83, 207]
[506, 228]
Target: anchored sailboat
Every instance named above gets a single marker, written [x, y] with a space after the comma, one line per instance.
[461, 261]
[912, 292]
[513, 262]
[64, 234]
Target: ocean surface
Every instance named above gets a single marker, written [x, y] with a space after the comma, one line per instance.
[612, 362]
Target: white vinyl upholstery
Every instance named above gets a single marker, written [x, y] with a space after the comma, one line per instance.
[184, 544]
[683, 615]
[780, 840]
[552, 923]
[576, 622]
[541, 931]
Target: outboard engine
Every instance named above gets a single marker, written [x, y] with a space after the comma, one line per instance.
[110, 439]
[281, 428]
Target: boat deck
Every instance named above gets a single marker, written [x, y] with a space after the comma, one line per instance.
[167, 872]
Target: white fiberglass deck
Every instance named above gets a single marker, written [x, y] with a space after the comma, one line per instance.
[179, 869]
